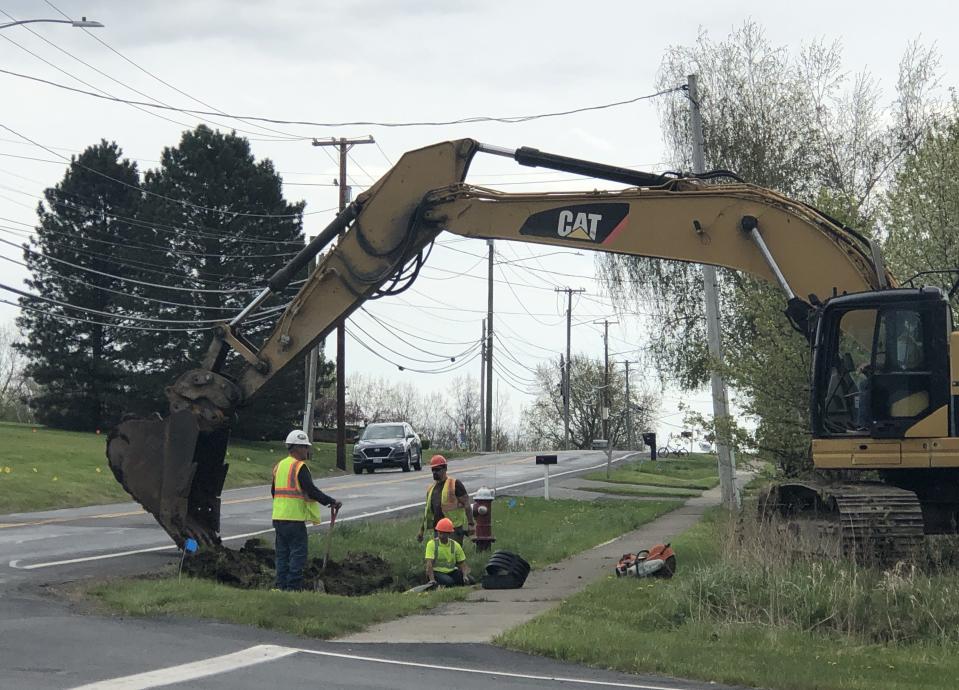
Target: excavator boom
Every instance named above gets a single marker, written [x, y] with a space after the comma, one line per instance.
[174, 467]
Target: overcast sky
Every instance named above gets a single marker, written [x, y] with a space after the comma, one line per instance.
[389, 60]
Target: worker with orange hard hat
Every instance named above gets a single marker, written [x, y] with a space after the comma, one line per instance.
[447, 498]
[445, 559]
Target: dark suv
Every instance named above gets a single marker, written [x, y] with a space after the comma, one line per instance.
[390, 444]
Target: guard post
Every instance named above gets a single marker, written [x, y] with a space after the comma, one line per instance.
[546, 461]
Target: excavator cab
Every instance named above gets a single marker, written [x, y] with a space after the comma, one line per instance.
[881, 364]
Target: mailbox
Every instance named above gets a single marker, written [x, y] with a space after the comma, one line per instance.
[545, 459]
[649, 438]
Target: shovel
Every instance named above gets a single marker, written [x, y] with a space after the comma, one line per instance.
[421, 588]
[329, 538]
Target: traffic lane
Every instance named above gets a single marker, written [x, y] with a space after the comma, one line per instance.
[361, 667]
[46, 645]
[248, 516]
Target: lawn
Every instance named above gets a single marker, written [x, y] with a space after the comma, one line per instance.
[656, 491]
[747, 617]
[42, 468]
[542, 531]
[696, 471]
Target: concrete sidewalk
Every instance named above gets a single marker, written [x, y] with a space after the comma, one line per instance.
[487, 613]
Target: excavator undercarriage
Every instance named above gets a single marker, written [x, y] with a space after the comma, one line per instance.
[865, 521]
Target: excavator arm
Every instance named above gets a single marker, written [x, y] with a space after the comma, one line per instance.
[175, 468]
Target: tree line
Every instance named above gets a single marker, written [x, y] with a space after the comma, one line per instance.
[130, 270]
[801, 124]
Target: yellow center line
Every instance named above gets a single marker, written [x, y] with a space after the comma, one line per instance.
[235, 501]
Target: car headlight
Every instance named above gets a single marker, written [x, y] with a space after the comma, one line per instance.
[398, 446]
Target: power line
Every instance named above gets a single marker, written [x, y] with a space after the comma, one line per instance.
[66, 317]
[88, 310]
[407, 342]
[165, 83]
[452, 358]
[72, 279]
[401, 367]
[128, 280]
[509, 119]
[117, 81]
[126, 263]
[387, 323]
[143, 190]
[102, 94]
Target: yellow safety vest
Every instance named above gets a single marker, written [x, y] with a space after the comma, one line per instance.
[448, 504]
[289, 501]
[444, 556]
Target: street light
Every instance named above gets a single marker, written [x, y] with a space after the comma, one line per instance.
[82, 23]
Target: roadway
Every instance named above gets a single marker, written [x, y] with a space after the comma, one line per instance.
[52, 642]
[61, 545]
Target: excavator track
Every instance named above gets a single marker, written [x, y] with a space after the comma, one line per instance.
[867, 522]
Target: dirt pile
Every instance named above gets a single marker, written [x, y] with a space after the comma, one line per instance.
[252, 567]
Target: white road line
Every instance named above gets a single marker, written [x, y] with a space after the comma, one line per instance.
[198, 669]
[488, 672]
[266, 653]
[246, 535]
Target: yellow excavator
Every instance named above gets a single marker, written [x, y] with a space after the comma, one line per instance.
[885, 372]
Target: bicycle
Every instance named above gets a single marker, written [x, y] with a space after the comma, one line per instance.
[667, 450]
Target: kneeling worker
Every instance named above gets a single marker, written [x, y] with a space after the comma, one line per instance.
[295, 500]
[445, 560]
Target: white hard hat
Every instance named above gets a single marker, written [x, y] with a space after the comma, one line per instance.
[298, 437]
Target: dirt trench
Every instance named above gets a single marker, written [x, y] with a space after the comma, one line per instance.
[252, 567]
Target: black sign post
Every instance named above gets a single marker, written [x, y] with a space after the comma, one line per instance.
[546, 461]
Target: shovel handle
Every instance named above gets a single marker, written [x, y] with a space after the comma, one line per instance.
[329, 537]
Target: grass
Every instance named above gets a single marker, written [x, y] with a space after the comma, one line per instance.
[739, 611]
[43, 468]
[543, 532]
[655, 491]
[696, 471]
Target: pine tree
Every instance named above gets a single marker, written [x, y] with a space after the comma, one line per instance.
[223, 217]
[75, 359]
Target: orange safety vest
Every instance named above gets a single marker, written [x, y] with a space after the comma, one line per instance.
[289, 501]
[448, 504]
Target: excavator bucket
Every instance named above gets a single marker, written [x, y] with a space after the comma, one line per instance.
[174, 470]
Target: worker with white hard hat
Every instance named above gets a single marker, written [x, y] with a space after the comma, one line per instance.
[295, 500]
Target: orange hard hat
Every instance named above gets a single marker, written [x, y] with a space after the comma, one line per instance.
[437, 461]
[444, 525]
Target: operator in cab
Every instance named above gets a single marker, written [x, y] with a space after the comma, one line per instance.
[446, 497]
[295, 500]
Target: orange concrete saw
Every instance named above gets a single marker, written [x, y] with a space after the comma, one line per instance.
[657, 561]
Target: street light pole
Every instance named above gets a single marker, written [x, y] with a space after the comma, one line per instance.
[82, 23]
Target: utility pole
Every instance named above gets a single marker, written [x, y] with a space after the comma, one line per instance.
[567, 366]
[343, 145]
[605, 415]
[482, 386]
[727, 468]
[488, 430]
[629, 408]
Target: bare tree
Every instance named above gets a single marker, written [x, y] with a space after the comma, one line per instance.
[544, 419]
[15, 387]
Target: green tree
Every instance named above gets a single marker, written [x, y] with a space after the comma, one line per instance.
[226, 227]
[797, 124]
[922, 208]
[75, 359]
